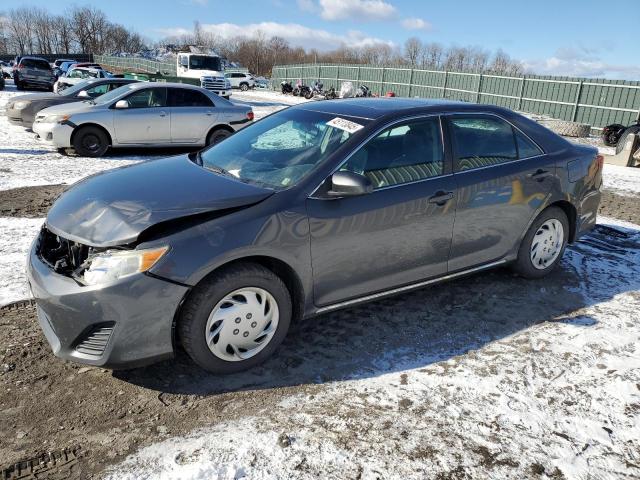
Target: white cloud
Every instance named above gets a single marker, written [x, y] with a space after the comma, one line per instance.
[580, 62]
[296, 34]
[358, 10]
[415, 24]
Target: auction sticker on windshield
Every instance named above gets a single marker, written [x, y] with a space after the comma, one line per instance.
[345, 125]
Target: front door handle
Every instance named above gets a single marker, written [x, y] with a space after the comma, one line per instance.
[163, 114]
[441, 197]
[209, 113]
[540, 174]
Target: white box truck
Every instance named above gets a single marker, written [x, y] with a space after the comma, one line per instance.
[208, 68]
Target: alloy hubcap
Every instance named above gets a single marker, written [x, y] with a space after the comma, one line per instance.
[547, 243]
[242, 324]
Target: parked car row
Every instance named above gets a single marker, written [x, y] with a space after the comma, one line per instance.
[102, 113]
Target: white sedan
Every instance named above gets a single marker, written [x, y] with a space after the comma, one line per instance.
[77, 75]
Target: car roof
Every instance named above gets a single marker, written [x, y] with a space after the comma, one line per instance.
[374, 108]
[29, 57]
[166, 84]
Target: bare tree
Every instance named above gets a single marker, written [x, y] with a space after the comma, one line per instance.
[413, 50]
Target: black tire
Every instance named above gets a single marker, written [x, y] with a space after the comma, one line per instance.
[90, 142]
[612, 135]
[244, 86]
[523, 265]
[623, 138]
[194, 315]
[308, 94]
[218, 135]
[295, 92]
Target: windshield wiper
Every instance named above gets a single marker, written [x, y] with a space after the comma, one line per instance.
[213, 168]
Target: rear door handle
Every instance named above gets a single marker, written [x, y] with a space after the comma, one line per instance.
[163, 114]
[441, 197]
[209, 113]
[540, 174]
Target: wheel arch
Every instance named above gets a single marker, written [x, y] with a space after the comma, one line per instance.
[279, 267]
[220, 126]
[90, 124]
[570, 211]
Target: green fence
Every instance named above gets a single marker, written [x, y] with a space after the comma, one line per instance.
[597, 102]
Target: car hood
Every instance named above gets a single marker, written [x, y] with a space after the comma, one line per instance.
[32, 97]
[114, 208]
[68, 108]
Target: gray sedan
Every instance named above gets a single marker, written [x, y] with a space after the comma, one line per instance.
[139, 115]
[22, 110]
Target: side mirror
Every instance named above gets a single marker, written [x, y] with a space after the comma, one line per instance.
[83, 94]
[349, 184]
[122, 104]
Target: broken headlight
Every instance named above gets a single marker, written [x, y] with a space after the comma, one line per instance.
[112, 265]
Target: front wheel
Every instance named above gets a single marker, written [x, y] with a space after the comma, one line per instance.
[543, 245]
[235, 319]
[90, 142]
[244, 87]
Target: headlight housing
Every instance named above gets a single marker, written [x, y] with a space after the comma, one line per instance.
[20, 104]
[112, 265]
[227, 83]
[55, 118]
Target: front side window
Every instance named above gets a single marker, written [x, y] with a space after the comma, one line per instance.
[482, 141]
[183, 97]
[404, 153]
[98, 90]
[148, 98]
[281, 149]
[203, 62]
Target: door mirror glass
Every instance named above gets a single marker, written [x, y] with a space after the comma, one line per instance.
[83, 94]
[122, 104]
[348, 184]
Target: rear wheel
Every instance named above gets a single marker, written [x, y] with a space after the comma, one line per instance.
[244, 87]
[90, 142]
[543, 245]
[217, 136]
[235, 319]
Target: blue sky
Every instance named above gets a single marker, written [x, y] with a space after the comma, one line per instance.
[565, 37]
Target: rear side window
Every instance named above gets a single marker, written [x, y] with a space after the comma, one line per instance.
[482, 141]
[526, 148]
[404, 153]
[179, 97]
[37, 64]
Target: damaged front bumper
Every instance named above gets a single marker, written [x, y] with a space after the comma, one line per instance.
[123, 324]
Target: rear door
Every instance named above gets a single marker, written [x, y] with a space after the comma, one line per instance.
[502, 180]
[192, 115]
[396, 235]
[147, 120]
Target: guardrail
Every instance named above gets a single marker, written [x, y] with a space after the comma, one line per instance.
[597, 102]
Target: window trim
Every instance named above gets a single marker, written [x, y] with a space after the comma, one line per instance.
[447, 166]
[514, 128]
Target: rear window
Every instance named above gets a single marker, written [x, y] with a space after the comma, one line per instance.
[37, 64]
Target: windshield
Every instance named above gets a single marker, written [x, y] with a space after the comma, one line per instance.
[279, 150]
[202, 62]
[113, 94]
[71, 91]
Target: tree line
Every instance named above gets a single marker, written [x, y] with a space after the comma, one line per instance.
[87, 29]
[260, 53]
[34, 30]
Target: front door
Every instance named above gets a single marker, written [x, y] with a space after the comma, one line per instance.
[146, 120]
[503, 178]
[396, 235]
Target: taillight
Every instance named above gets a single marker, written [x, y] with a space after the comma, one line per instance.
[250, 115]
[600, 161]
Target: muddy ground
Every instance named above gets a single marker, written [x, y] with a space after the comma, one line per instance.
[94, 417]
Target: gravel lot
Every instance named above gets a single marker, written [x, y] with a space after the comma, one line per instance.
[490, 376]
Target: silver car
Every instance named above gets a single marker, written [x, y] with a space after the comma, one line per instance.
[142, 114]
